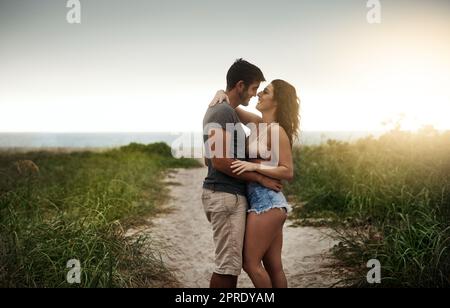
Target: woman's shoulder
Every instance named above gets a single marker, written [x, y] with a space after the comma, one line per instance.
[277, 128]
[280, 132]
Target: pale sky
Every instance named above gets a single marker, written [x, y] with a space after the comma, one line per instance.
[143, 66]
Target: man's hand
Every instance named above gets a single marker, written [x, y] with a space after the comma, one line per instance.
[270, 183]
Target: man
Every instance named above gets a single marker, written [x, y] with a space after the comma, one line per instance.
[224, 193]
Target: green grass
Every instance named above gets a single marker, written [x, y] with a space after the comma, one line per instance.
[78, 207]
[387, 198]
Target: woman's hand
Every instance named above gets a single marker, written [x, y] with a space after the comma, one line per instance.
[240, 166]
[219, 98]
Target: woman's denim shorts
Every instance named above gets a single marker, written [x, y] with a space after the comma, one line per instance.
[261, 199]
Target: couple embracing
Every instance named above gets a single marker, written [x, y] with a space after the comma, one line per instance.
[242, 195]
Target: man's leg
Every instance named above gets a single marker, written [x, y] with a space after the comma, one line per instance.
[227, 214]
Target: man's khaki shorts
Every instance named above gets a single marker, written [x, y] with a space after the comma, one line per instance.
[227, 214]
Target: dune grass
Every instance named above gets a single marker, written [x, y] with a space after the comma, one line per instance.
[387, 198]
[78, 207]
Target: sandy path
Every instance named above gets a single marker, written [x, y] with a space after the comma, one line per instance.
[190, 249]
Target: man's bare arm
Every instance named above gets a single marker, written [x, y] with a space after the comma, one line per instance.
[223, 164]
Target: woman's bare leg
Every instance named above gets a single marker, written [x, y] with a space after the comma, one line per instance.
[272, 261]
[260, 232]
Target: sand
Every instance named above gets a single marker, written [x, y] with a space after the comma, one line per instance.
[189, 249]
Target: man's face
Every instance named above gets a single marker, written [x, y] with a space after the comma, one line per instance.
[248, 92]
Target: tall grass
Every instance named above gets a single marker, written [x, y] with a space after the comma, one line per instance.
[78, 207]
[389, 198]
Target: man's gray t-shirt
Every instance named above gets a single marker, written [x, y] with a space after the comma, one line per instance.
[225, 117]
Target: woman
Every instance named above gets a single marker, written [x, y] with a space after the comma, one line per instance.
[267, 212]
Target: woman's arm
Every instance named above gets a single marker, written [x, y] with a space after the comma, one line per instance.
[245, 116]
[285, 168]
[248, 117]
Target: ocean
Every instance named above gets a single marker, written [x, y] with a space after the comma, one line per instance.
[111, 140]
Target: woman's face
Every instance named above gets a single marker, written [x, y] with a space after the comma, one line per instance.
[266, 102]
